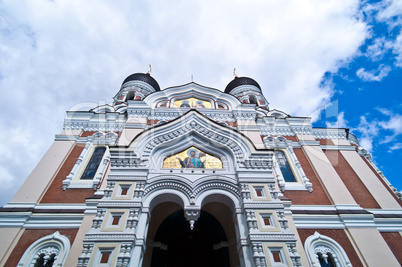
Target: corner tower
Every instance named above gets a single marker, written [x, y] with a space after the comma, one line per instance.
[247, 90]
[137, 86]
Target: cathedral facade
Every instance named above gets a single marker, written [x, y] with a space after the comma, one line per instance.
[195, 176]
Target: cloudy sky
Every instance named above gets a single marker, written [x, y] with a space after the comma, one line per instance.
[339, 61]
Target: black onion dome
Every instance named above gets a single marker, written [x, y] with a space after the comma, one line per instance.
[238, 81]
[146, 78]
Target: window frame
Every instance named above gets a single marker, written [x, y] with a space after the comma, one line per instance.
[90, 159]
[55, 240]
[287, 165]
[318, 243]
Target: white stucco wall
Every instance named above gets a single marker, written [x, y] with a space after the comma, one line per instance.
[372, 247]
[33, 188]
[299, 245]
[330, 179]
[128, 135]
[78, 245]
[9, 238]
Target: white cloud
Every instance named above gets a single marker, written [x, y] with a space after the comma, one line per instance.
[386, 131]
[390, 12]
[394, 124]
[339, 123]
[393, 8]
[373, 75]
[397, 50]
[368, 130]
[56, 54]
[377, 50]
[395, 146]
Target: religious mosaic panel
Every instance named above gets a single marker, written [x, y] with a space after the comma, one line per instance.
[192, 158]
[192, 102]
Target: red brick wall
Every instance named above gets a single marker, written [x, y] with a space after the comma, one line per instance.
[382, 181]
[353, 183]
[339, 236]
[85, 134]
[55, 193]
[394, 241]
[30, 236]
[318, 196]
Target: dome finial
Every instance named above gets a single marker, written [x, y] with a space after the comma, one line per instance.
[234, 73]
[150, 69]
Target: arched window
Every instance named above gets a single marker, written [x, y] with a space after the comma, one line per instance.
[252, 99]
[284, 166]
[93, 164]
[130, 95]
[323, 251]
[51, 250]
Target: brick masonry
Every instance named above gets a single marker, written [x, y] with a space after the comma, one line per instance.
[382, 181]
[353, 183]
[394, 241]
[318, 196]
[55, 193]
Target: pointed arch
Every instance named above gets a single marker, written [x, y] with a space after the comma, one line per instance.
[52, 249]
[321, 248]
[194, 129]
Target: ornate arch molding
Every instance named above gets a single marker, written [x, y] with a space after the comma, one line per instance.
[54, 244]
[192, 126]
[192, 190]
[324, 245]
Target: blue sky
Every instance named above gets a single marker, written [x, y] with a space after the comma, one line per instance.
[59, 55]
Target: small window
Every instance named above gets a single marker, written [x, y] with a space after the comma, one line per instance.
[277, 256]
[51, 250]
[253, 99]
[130, 95]
[124, 191]
[116, 220]
[40, 261]
[284, 166]
[93, 164]
[105, 257]
[258, 191]
[324, 251]
[267, 219]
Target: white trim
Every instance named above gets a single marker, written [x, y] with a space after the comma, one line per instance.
[54, 243]
[324, 244]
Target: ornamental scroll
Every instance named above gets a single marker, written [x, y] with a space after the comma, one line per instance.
[192, 158]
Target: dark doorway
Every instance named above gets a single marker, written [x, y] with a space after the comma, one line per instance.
[186, 247]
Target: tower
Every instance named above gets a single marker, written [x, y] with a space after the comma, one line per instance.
[195, 176]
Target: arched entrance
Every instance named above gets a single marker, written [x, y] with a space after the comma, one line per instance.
[181, 246]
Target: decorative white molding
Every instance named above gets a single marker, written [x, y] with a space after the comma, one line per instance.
[325, 245]
[54, 244]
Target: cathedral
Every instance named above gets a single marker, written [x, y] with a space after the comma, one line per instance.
[196, 176]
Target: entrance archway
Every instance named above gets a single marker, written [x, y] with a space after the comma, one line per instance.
[178, 245]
